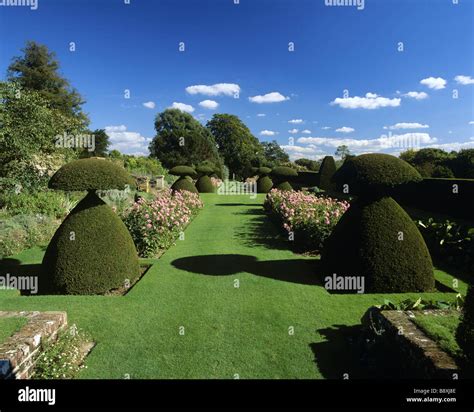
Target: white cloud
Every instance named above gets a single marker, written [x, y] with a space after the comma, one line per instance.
[209, 104]
[416, 95]
[149, 105]
[183, 107]
[293, 131]
[218, 89]
[407, 126]
[268, 133]
[370, 101]
[456, 146]
[295, 121]
[436, 83]
[306, 131]
[325, 127]
[471, 122]
[345, 129]
[273, 97]
[261, 115]
[464, 80]
[127, 142]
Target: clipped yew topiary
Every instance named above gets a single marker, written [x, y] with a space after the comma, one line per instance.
[92, 251]
[204, 184]
[281, 176]
[465, 331]
[264, 183]
[376, 238]
[326, 172]
[184, 182]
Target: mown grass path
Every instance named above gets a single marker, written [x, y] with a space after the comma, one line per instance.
[228, 330]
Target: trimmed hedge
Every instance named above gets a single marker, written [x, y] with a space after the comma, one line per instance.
[205, 170]
[263, 171]
[182, 171]
[90, 174]
[365, 242]
[184, 183]
[281, 175]
[454, 197]
[284, 186]
[264, 184]
[465, 331]
[101, 256]
[204, 185]
[306, 179]
[326, 172]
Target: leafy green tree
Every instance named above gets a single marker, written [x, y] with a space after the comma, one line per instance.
[430, 162]
[182, 140]
[239, 149]
[312, 165]
[342, 151]
[30, 145]
[274, 155]
[463, 164]
[101, 144]
[37, 69]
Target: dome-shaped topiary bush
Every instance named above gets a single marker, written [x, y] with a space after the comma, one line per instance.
[204, 184]
[281, 176]
[264, 183]
[326, 172]
[185, 182]
[376, 238]
[465, 331]
[92, 251]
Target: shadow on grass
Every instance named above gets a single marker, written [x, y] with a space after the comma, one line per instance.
[237, 204]
[15, 269]
[302, 271]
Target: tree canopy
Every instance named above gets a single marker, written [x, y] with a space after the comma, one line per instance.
[274, 155]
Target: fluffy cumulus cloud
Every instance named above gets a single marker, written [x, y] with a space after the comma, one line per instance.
[471, 122]
[218, 89]
[435, 83]
[295, 121]
[306, 131]
[149, 105]
[464, 80]
[293, 131]
[127, 142]
[416, 95]
[309, 152]
[209, 104]
[183, 107]
[370, 101]
[345, 129]
[267, 133]
[273, 97]
[403, 125]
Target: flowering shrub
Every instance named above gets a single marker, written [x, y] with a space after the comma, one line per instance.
[216, 182]
[155, 225]
[310, 218]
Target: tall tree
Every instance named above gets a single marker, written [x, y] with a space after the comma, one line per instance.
[239, 149]
[181, 140]
[38, 69]
[101, 144]
[342, 151]
[274, 154]
[309, 164]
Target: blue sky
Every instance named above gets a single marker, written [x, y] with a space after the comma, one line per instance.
[394, 98]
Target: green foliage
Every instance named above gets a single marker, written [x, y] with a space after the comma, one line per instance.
[284, 186]
[139, 165]
[239, 149]
[100, 257]
[342, 151]
[205, 170]
[374, 173]
[62, 359]
[422, 304]
[184, 183]
[182, 171]
[38, 70]
[181, 139]
[312, 165]
[326, 172]
[263, 171]
[204, 185]
[442, 171]
[465, 332]
[264, 184]
[367, 242]
[101, 144]
[284, 172]
[91, 174]
[463, 164]
[273, 154]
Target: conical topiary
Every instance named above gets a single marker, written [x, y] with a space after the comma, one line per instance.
[375, 238]
[204, 184]
[326, 171]
[465, 331]
[264, 183]
[184, 182]
[281, 176]
[92, 251]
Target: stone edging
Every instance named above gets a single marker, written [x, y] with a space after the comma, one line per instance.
[19, 352]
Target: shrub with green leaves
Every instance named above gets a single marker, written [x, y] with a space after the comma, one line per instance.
[264, 183]
[204, 183]
[326, 172]
[281, 176]
[185, 182]
[465, 332]
[376, 238]
[92, 252]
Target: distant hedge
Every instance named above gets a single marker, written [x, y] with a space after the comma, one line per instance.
[439, 195]
[306, 179]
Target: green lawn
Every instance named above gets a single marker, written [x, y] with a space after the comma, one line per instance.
[227, 330]
[8, 326]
